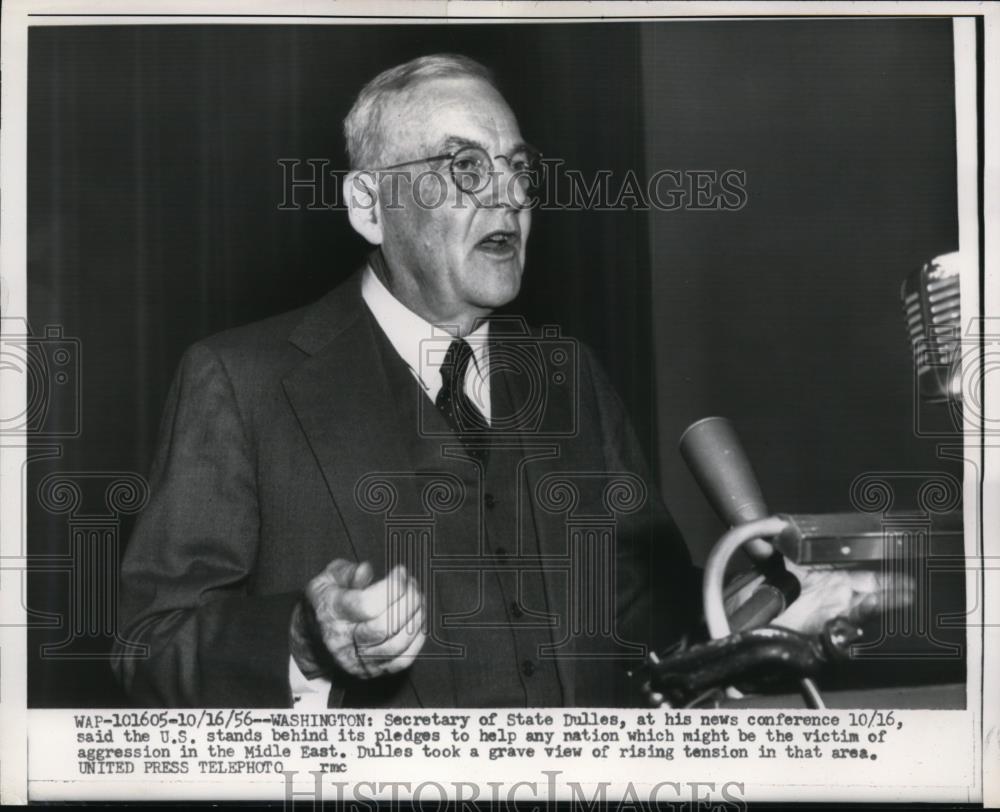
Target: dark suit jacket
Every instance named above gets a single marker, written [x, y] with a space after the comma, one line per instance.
[267, 431]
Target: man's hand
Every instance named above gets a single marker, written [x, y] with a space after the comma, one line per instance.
[854, 594]
[367, 629]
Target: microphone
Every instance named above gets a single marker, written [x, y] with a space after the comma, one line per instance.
[930, 297]
[715, 456]
[713, 452]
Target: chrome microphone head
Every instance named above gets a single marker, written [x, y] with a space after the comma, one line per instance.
[931, 303]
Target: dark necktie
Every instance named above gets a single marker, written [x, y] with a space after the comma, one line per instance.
[452, 401]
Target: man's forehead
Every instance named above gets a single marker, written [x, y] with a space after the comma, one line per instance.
[445, 109]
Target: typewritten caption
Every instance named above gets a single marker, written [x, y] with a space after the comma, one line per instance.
[244, 742]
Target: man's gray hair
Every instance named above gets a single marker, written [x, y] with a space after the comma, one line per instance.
[363, 129]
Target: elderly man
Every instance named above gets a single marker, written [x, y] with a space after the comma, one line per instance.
[273, 565]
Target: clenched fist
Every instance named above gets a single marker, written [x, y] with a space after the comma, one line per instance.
[367, 629]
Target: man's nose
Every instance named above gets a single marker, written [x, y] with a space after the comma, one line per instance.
[508, 186]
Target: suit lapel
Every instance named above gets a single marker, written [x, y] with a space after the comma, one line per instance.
[341, 396]
[341, 400]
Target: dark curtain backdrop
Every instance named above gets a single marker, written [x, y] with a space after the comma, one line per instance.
[785, 315]
[153, 221]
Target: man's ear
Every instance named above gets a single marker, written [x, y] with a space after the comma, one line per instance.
[361, 194]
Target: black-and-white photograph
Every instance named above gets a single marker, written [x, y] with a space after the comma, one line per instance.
[553, 364]
[387, 333]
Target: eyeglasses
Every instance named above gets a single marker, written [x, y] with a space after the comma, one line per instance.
[472, 167]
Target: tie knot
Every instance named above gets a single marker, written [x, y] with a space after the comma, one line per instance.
[456, 363]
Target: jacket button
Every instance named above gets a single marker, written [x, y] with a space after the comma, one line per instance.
[501, 552]
[489, 501]
[527, 668]
[515, 609]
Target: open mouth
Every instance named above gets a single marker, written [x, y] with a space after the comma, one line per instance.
[499, 242]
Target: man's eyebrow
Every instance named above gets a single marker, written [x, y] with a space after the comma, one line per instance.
[451, 143]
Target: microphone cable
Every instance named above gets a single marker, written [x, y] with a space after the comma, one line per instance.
[714, 586]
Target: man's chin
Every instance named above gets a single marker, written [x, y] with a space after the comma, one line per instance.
[497, 284]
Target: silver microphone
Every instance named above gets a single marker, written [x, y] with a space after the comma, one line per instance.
[931, 303]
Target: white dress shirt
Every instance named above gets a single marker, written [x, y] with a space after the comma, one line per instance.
[422, 346]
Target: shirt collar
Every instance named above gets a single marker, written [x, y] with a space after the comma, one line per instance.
[420, 344]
